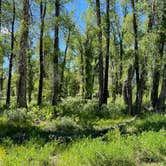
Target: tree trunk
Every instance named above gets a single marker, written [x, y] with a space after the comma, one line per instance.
[156, 77]
[30, 78]
[98, 14]
[21, 96]
[1, 64]
[88, 68]
[136, 63]
[82, 72]
[162, 97]
[127, 90]
[121, 63]
[142, 82]
[42, 17]
[56, 54]
[64, 61]
[105, 94]
[11, 58]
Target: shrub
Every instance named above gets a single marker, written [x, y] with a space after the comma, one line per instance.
[67, 125]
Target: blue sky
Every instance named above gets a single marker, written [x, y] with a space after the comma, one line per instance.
[79, 7]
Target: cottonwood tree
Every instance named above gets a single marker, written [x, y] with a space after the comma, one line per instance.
[100, 52]
[22, 89]
[42, 20]
[105, 93]
[11, 55]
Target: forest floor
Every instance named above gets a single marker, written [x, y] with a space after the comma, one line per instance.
[76, 133]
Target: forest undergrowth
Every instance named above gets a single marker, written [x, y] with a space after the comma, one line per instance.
[74, 133]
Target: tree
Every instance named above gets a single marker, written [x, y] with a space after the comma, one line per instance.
[98, 17]
[56, 55]
[127, 89]
[21, 96]
[42, 17]
[136, 61]
[161, 18]
[105, 94]
[1, 65]
[11, 57]
[65, 58]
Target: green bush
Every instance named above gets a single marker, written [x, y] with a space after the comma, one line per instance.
[67, 125]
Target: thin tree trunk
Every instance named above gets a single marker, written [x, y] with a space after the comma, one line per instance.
[127, 90]
[42, 17]
[136, 63]
[88, 67]
[82, 72]
[105, 94]
[11, 58]
[98, 14]
[64, 61]
[1, 65]
[56, 54]
[156, 78]
[21, 96]
[162, 97]
[30, 78]
[121, 64]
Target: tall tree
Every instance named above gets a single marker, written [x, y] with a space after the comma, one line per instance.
[42, 17]
[127, 89]
[98, 17]
[56, 54]
[65, 58]
[30, 75]
[1, 65]
[21, 96]
[11, 57]
[161, 18]
[88, 60]
[136, 62]
[105, 95]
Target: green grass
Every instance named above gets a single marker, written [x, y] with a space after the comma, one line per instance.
[122, 151]
[117, 150]
[63, 136]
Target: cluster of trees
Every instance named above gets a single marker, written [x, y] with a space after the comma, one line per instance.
[120, 52]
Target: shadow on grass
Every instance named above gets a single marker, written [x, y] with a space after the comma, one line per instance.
[19, 133]
[22, 131]
[152, 125]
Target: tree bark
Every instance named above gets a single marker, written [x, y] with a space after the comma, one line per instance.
[155, 99]
[98, 16]
[42, 17]
[21, 96]
[127, 90]
[162, 97]
[30, 77]
[82, 72]
[1, 65]
[64, 60]
[11, 58]
[156, 77]
[56, 54]
[136, 63]
[88, 67]
[105, 94]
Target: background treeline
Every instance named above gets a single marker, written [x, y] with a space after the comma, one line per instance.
[45, 55]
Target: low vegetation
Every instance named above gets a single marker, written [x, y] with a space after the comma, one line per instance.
[70, 135]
